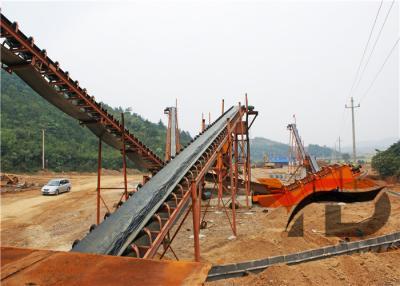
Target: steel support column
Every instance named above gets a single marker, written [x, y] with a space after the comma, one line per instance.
[219, 169]
[98, 182]
[233, 188]
[236, 165]
[124, 157]
[196, 221]
[248, 166]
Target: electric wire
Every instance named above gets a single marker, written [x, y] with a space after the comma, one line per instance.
[359, 76]
[374, 46]
[365, 48]
[380, 70]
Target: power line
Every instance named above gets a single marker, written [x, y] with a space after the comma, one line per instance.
[343, 118]
[359, 77]
[373, 47]
[380, 70]
[365, 49]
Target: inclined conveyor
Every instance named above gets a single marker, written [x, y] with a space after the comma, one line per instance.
[20, 55]
[115, 234]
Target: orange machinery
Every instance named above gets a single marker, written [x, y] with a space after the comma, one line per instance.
[272, 193]
[332, 178]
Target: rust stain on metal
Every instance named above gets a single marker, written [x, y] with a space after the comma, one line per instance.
[42, 267]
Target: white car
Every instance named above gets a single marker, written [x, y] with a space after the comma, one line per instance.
[56, 186]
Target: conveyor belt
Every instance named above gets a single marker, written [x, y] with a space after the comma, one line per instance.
[116, 233]
[19, 54]
[380, 243]
[146, 218]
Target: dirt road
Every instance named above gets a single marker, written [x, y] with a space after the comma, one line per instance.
[29, 219]
[263, 234]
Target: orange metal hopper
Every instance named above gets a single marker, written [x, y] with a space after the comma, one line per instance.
[21, 266]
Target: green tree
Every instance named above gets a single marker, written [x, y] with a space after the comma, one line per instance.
[387, 162]
[69, 146]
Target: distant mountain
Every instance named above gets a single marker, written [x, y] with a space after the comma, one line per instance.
[262, 146]
[370, 146]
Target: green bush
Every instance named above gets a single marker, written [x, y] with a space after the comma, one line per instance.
[387, 162]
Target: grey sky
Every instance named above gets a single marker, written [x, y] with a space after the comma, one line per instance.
[290, 57]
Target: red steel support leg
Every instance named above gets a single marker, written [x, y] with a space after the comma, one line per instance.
[236, 166]
[98, 182]
[248, 166]
[244, 158]
[233, 190]
[236, 156]
[196, 222]
[220, 179]
[220, 189]
[232, 179]
[124, 157]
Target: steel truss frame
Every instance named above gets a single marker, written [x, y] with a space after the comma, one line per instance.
[192, 189]
[232, 153]
[22, 56]
[125, 194]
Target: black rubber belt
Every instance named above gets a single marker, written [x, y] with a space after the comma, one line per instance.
[383, 242]
[113, 235]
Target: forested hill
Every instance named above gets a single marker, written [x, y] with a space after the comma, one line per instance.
[69, 146]
[262, 146]
[72, 147]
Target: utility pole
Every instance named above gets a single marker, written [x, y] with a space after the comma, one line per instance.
[340, 151]
[43, 165]
[352, 106]
[124, 156]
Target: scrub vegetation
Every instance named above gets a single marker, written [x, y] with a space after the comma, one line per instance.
[68, 145]
[387, 162]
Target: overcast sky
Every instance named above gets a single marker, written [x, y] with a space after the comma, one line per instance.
[290, 57]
